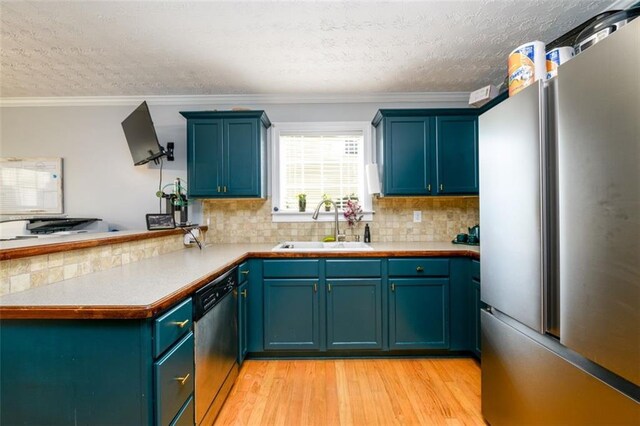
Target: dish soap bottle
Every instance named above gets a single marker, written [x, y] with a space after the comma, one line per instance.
[367, 234]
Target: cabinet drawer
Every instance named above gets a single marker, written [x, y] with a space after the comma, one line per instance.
[185, 415]
[354, 268]
[171, 326]
[291, 268]
[243, 272]
[173, 378]
[475, 270]
[419, 267]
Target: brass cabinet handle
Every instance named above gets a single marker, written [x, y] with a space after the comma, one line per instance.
[181, 324]
[329, 287]
[393, 287]
[429, 187]
[219, 189]
[224, 189]
[315, 287]
[419, 269]
[182, 380]
[441, 187]
[244, 293]
[244, 272]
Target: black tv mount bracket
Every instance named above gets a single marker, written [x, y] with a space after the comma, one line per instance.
[169, 151]
[165, 153]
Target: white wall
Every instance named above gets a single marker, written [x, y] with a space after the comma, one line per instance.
[99, 177]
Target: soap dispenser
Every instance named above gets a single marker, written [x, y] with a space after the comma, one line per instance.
[367, 234]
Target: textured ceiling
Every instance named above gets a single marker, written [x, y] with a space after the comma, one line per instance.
[112, 48]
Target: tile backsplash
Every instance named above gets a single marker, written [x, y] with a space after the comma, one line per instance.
[249, 221]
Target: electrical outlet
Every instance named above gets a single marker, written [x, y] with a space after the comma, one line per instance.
[417, 216]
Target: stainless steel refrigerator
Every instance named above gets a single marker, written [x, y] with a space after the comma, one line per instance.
[560, 252]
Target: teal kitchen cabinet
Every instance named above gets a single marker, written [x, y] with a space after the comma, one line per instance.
[457, 154]
[418, 303]
[427, 151]
[354, 304]
[243, 294]
[477, 306]
[291, 304]
[407, 155]
[98, 372]
[226, 153]
[291, 314]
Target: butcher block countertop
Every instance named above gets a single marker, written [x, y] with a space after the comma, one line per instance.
[145, 288]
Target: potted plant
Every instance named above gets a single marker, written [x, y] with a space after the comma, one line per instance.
[302, 202]
[353, 213]
[327, 202]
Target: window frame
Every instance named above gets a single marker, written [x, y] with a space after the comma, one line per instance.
[318, 128]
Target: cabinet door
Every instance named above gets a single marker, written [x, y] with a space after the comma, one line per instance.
[291, 314]
[457, 154]
[354, 313]
[243, 294]
[477, 305]
[204, 157]
[408, 155]
[418, 313]
[241, 157]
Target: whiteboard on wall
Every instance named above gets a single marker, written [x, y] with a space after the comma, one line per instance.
[30, 186]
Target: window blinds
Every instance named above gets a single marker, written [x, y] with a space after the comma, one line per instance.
[320, 164]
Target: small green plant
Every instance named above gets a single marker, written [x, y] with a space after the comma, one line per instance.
[302, 202]
[327, 202]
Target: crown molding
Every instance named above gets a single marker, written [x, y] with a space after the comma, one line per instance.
[449, 98]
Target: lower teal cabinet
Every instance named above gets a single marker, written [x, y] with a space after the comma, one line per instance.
[354, 314]
[98, 372]
[418, 313]
[173, 378]
[243, 294]
[477, 305]
[291, 314]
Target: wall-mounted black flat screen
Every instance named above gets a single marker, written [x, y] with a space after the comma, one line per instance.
[141, 136]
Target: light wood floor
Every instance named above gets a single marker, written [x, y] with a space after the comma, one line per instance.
[355, 392]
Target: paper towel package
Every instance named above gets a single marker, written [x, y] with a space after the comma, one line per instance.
[557, 57]
[526, 65]
[482, 96]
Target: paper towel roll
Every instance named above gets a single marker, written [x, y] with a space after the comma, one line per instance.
[557, 57]
[373, 179]
[526, 65]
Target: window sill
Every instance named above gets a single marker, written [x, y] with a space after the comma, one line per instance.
[277, 217]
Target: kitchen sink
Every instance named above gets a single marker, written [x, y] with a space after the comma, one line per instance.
[292, 246]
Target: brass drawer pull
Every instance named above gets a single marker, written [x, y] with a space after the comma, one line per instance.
[182, 380]
[419, 269]
[329, 287]
[315, 287]
[244, 293]
[429, 187]
[244, 272]
[393, 287]
[180, 324]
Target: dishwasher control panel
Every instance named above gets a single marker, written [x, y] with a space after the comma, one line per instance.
[209, 295]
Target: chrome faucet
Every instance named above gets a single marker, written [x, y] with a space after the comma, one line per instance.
[336, 231]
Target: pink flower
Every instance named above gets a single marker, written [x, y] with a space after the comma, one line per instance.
[353, 212]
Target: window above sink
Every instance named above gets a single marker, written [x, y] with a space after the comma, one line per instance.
[320, 159]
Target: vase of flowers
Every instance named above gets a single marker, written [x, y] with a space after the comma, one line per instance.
[353, 214]
[302, 202]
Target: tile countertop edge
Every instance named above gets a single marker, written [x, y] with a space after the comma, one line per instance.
[142, 311]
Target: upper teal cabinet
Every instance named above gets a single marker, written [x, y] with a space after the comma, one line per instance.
[226, 153]
[427, 151]
[457, 154]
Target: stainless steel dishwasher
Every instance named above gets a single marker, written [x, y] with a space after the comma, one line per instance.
[216, 345]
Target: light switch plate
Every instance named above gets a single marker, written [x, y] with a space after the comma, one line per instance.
[417, 216]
